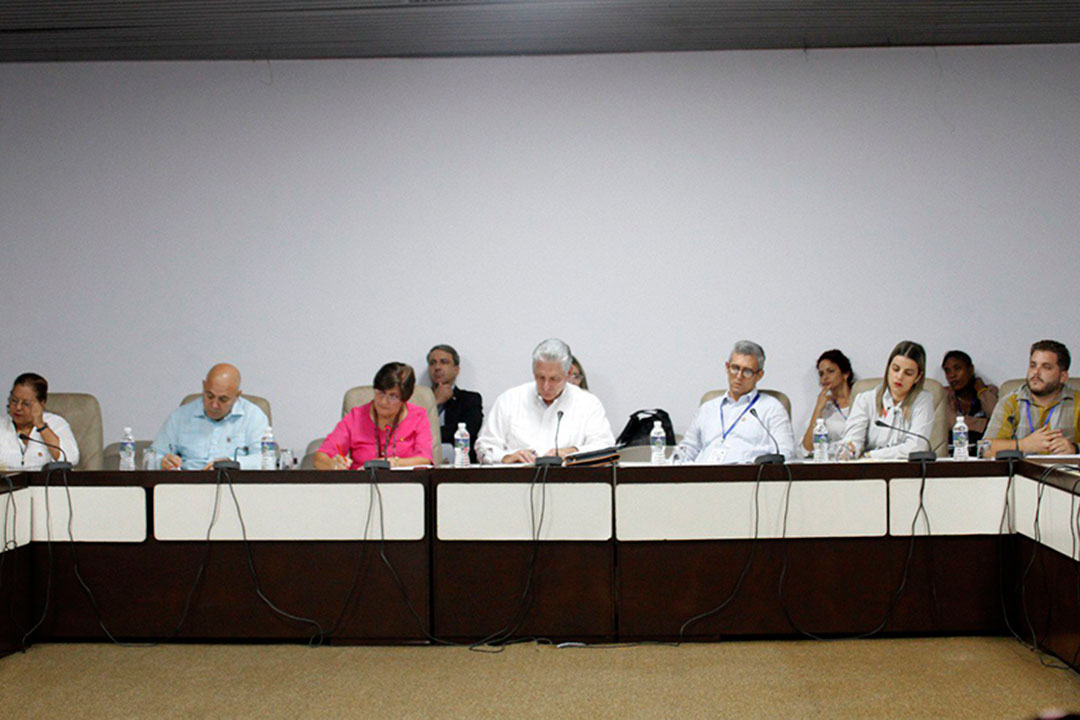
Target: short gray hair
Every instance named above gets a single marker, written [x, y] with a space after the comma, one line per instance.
[553, 350]
[746, 347]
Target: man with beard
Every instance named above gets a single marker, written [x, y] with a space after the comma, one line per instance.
[1041, 417]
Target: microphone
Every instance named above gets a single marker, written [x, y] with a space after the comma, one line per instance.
[233, 464]
[918, 455]
[380, 463]
[49, 466]
[553, 459]
[776, 458]
[1014, 454]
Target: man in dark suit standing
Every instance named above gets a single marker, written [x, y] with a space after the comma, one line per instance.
[455, 405]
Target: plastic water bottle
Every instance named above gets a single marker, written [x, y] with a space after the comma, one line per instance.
[268, 448]
[960, 439]
[127, 450]
[657, 440]
[461, 446]
[821, 441]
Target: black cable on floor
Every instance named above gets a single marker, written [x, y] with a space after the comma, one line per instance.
[746, 565]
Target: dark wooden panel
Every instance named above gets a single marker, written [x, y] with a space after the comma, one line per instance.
[832, 586]
[479, 585]
[142, 588]
[15, 605]
[1048, 607]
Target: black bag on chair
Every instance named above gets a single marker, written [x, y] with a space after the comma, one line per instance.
[640, 425]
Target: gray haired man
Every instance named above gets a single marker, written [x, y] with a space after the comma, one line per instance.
[547, 416]
[736, 427]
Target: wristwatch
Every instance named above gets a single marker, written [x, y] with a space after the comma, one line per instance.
[43, 428]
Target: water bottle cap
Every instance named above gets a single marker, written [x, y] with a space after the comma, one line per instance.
[959, 418]
[127, 431]
[657, 424]
[461, 426]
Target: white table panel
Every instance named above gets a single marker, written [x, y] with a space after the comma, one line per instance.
[719, 511]
[289, 511]
[955, 506]
[501, 511]
[15, 515]
[1057, 516]
[99, 514]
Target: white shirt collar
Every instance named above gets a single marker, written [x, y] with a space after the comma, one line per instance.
[744, 399]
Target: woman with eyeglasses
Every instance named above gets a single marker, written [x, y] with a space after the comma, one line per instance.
[389, 427]
[27, 418]
[899, 403]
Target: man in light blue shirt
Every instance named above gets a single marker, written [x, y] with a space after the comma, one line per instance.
[220, 426]
[732, 427]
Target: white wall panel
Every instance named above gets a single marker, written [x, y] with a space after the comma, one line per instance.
[309, 511]
[1057, 515]
[98, 514]
[312, 220]
[15, 515]
[954, 506]
[517, 511]
[701, 511]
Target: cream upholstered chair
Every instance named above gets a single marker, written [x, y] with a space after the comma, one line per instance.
[1012, 385]
[262, 402]
[308, 461]
[422, 396]
[784, 400]
[83, 413]
[939, 433]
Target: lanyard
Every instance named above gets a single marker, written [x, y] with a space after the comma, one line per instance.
[837, 406]
[728, 430]
[1031, 425]
[383, 452]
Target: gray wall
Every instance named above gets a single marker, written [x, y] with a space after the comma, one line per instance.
[312, 220]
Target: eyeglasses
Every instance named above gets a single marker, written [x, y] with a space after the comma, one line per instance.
[14, 402]
[746, 372]
[383, 395]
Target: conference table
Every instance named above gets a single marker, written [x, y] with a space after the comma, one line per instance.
[630, 552]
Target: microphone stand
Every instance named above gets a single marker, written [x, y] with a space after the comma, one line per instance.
[918, 455]
[552, 460]
[55, 464]
[776, 458]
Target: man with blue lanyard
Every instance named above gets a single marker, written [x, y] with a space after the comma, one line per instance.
[736, 427]
[1041, 416]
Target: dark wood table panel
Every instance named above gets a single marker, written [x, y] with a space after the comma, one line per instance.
[141, 590]
[479, 586]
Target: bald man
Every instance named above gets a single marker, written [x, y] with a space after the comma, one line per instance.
[222, 426]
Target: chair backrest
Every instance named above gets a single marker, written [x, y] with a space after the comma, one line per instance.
[784, 399]
[1012, 385]
[308, 461]
[112, 454]
[262, 402]
[83, 413]
[422, 396]
[939, 434]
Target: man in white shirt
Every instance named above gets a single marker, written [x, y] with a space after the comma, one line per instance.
[546, 416]
[732, 427]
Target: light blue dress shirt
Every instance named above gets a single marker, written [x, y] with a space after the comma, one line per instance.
[197, 439]
[746, 438]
